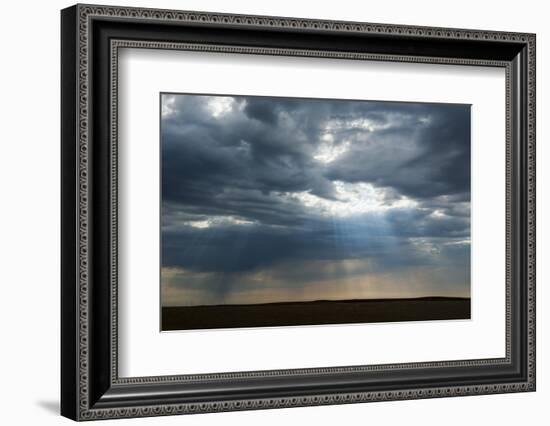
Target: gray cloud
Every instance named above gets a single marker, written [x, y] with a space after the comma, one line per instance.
[249, 183]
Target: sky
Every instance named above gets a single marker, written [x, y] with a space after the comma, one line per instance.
[272, 199]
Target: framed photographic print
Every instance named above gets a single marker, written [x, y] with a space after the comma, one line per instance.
[263, 212]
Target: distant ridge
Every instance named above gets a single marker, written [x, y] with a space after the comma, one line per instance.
[315, 313]
[388, 299]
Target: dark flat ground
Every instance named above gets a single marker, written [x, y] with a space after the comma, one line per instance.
[317, 312]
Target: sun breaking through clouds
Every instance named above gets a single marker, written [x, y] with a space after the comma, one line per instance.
[268, 199]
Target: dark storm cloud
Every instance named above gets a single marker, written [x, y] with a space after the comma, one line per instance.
[249, 246]
[421, 150]
[239, 151]
[418, 158]
[237, 173]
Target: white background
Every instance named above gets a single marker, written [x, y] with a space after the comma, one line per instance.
[146, 352]
[29, 229]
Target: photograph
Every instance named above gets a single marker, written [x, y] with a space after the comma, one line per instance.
[264, 209]
[279, 211]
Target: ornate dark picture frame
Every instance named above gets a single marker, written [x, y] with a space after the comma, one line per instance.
[90, 385]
